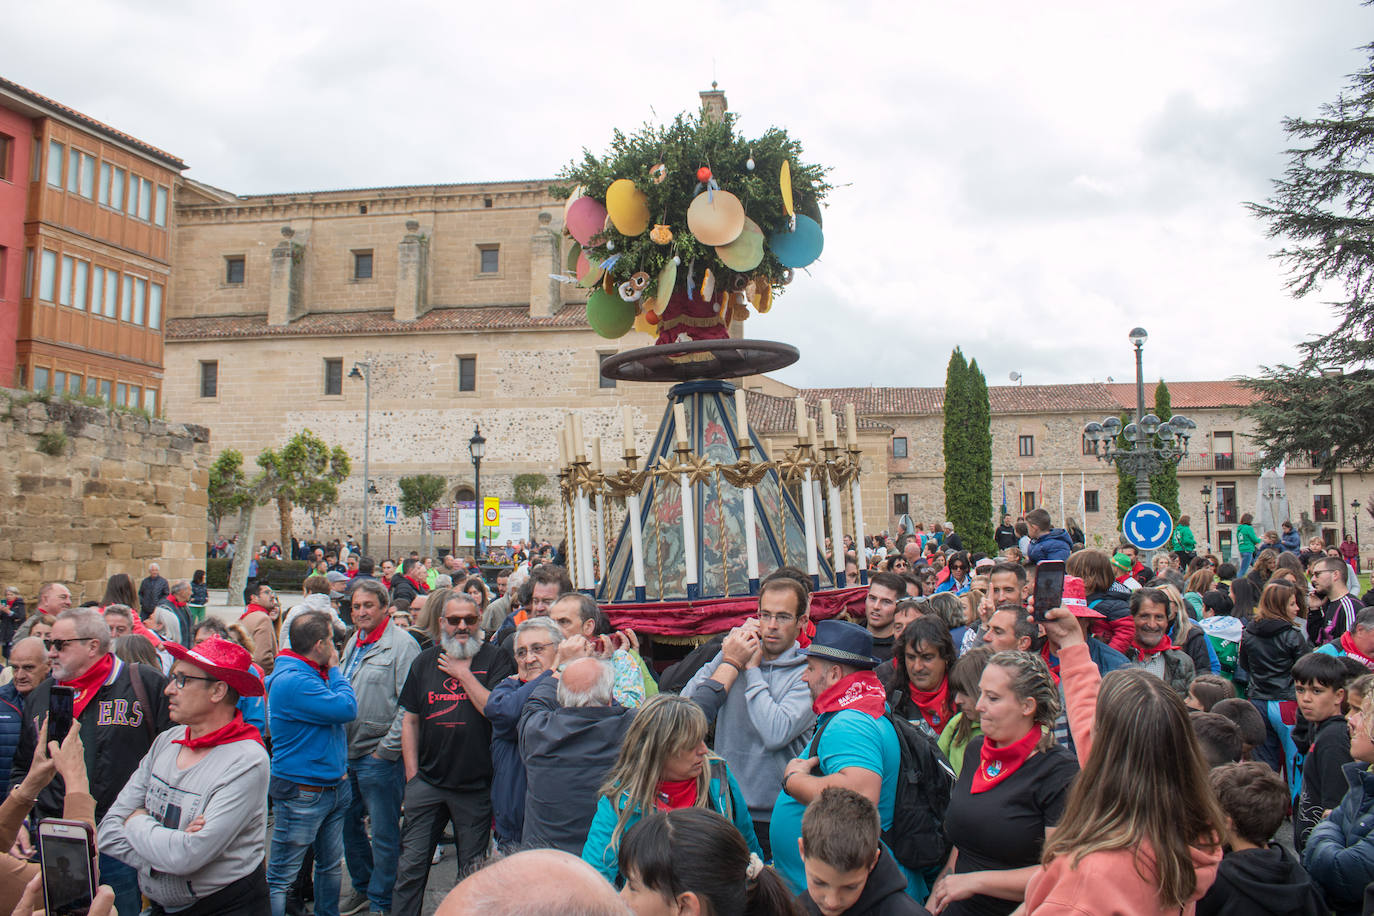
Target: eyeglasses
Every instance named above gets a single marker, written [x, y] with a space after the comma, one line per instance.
[527, 651]
[60, 644]
[180, 679]
[765, 617]
[958, 566]
[467, 620]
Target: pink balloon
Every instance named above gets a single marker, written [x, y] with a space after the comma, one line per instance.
[586, 218]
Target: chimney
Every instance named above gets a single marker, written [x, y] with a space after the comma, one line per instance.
[412, 274]
[546, 293]
[714, 104]
[286, 293]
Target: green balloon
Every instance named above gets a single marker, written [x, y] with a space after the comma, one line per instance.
[609, 315]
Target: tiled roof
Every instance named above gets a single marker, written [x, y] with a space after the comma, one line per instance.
[772, 414]
[1188, 395]
[52, 107]
[1003, 399]
[478, 318]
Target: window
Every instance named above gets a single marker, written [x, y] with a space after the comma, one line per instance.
[81, 173]
[116, 188]
[135, 396]
[209, 378]
[1088, 446]
[233, 269]
[155, 306]
[1223, 454]
[55, 158]
[601, 380]
[1027, 501]
[105, 386]
[64, 292]
[1225, 496]
[140, 295]
[362, 265]
[6, 156]
[150, 400]
[103, 194]
[1321, 502]
[28, 272]
[110, 283]
[121, 394]
[90, 386]
[59, 382]
[160, 207]
[74, 385]
[490, 259]
[1026, 447]
[333, 376]
[126, 301]
[144, 197]
[40, 378]
[899, 504]
[899, 446]
[47, 276]
[1224, 542]
[1090, 501]
[467, 373]
[83, 269]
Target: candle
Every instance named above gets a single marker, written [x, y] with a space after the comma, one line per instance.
[680, 421]
[851, 426]
[596, 455]
[741, 416]
[811, 431]
[579, 442]
[566, 440]
[801, 417]
[767, 448]
[629, 418]
[828, 419]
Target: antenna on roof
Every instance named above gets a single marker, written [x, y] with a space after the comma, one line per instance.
[1015, 376]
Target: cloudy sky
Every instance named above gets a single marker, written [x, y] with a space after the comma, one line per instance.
[1025, 180]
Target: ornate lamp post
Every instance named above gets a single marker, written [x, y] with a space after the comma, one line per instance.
[1141, 457]
[477, 447]
[1207, 512]
[363, 370]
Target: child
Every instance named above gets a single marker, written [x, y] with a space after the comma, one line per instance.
[1207, 690]
[1248, 719]
[1218, 737]
[1254, 877]
[1325, 742]
[847, 869]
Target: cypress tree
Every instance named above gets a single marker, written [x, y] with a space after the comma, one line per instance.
[1164, 484]
[978, 520]
[958, 476]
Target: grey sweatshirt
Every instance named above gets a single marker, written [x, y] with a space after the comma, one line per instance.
[228, 787]
[760, 724]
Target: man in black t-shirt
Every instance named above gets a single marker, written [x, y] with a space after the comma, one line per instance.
[446, 746]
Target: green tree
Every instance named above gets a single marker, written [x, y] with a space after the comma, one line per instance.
[968, 453]
[527, 489]
[1164, 484]
[1323, 211]
[226, 491]
[419, 494]
[306, 473]
[958, 476]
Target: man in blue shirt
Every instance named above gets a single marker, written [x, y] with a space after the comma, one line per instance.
[309, 703]
[858, 747]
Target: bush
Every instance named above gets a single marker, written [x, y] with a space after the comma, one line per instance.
[282, 575]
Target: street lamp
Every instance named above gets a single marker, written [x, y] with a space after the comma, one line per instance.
[1141, 457]
[1207, 512]
[477, 446]
[363, 370]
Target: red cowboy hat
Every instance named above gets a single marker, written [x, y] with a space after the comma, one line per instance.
[224, 661]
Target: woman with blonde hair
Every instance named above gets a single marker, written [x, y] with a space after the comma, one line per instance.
[1187, 635]
[1141, 824]
[424, 624]
[1010, 794]
[1268, 649]
[664, 765]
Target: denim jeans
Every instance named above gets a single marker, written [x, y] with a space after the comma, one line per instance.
[302, 819]
[123, 880]
[377, 786]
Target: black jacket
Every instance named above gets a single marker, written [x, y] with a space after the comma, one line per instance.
[401, 587]
[884, 894]
[1006, 537]
[1253, 882]
[1268, 649]
[10, 619]
[150, 591]
[115, 729]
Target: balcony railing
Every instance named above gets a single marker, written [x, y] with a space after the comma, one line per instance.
[1224, 461]
[1226, 516]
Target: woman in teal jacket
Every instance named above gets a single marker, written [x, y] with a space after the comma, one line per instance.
[1185, 544]
[664, 764]
[1246, 542]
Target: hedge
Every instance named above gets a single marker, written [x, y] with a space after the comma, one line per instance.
[282, 575]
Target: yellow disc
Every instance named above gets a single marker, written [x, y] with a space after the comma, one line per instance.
[628, 207]
[785, 181]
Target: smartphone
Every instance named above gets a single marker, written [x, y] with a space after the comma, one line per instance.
[61, 708]
[70, 871]
[1049, 587]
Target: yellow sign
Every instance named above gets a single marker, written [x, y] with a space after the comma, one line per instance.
[491, 510]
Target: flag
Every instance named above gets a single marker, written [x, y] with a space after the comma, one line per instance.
[1021, 497]
[1004, 496]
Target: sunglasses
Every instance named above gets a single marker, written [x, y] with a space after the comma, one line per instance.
[467, 620]
[60, 644]
[957, 566]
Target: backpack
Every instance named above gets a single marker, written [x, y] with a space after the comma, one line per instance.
[924, 782]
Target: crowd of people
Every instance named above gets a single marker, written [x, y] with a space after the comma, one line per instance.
[1185, 737]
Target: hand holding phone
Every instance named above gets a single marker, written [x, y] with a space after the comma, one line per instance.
[70, 870]
[1049, 587]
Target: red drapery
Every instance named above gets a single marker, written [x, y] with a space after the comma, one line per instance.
[716, 615]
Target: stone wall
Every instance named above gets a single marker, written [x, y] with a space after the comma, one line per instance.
[90, 492]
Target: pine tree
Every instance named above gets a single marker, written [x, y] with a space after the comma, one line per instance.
[1164, 484]
[1323, 210]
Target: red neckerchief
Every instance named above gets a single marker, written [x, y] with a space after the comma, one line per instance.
[673, 795]
[89, 683]
[254, 609]
[807, 633]
[933, 704]
[1348, 647]
[175, 601]
[316, 667]
[236, 730]
[1052, 665]
[420, 586]
[861, 690]
[141, 628]
[376, 634]
[1145, 654]
[997, 763]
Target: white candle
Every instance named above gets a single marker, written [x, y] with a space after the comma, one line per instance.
[809, 525]
[851, 425]
[811, 431]
[636, 540]
[596, 453]
[680, 421]
[628, 414]
[568, 446]
[828, 419]
[579, 442]
[741, 416]
[767, 449]
[801, 417]
[562, 450]
[837, 533]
